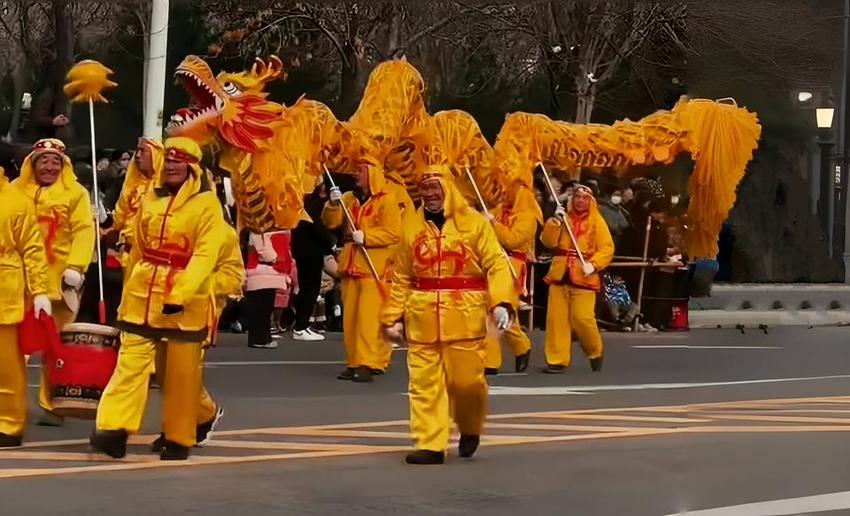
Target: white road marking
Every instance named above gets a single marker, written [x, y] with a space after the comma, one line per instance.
[786, 507]
[590, 389]
[683, 346]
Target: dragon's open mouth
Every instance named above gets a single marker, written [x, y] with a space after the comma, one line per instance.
[203, 101]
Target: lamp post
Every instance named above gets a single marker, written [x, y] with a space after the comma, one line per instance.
[826, 204]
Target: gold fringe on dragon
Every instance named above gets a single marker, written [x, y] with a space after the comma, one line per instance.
[274, 153]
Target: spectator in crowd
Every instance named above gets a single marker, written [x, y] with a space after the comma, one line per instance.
[617, 218]
[264, 277]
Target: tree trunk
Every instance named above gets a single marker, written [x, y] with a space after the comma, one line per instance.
[63, 26]
[20, 81]
[349, 82]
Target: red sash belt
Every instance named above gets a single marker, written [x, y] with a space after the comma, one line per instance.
[450, 283]
[519, 255]
[174, 261]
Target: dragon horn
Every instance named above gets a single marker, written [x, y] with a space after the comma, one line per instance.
[265, 72]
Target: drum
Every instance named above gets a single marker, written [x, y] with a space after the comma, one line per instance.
[679, 316]
[81, 368]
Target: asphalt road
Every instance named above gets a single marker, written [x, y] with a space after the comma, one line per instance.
[674, 423]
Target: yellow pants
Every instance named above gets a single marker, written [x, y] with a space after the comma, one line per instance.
[62, 315]
[571, 310]
[125, 397]
[13, 382]
[206, 405]
[442, 377]
[516, 339]
[364, 344]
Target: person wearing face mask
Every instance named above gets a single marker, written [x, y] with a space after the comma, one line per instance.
[377, 216]
[64, 214]
[168, 295]
[572, 284]
[610, 207]
[23, 273]
[450, 276]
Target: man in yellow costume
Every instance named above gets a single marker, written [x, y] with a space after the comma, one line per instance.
[23, 272]
[63, 209]
[450, 274]
[177, 242]
[146, 164]
[377, 216]
[227, 282]
[515, 223]
[572, 284]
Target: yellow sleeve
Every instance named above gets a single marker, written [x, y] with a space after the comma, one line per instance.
[30, 245]
[82, 232]
[389, 231]
[332, 215]
[230, 270]
[604, 245]
[119, 218]
[500, 284]
[551, 234]
[400, 286]
[204, 254]
[519, 233]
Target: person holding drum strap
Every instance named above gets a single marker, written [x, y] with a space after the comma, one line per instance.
[227, 282]
[23, 268]
[177, 242]
[63, 209]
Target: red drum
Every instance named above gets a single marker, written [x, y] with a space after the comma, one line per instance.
[679, 316]
[80, 369]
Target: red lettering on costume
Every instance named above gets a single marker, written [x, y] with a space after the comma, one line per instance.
[49, 228]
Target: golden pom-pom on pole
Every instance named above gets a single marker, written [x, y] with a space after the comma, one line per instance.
[86, 82]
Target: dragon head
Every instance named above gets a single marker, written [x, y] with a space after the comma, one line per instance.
[231, 106]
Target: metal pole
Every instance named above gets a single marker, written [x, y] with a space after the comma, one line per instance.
[101, 305]
[485, 210]
[156, 69]
[565, 219]
[643, 270]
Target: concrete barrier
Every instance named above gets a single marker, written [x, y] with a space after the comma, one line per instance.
[773, 305]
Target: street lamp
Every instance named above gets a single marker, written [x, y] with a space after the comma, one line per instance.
[824, 117]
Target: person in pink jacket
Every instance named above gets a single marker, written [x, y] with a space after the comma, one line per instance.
[266, 272]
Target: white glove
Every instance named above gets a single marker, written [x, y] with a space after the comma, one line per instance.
[490, 217]
[501, 317]
[560, 212]
[358, 237]
[41, 303]
[72, 278]
[335, 194]
[588, 268]
[101, 213]
[394, 333]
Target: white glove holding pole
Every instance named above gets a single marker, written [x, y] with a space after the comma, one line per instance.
[560, 212]
[101, 214]
[502, 318]
[490, 217]
[41, 304]
[335, 194]
[358, 237]
[394, 333]
[587, 268]
[73, 279]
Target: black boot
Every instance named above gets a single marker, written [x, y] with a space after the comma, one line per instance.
[362, 374]
[490, 371]
[110, 442]
[348, 374]
[468, 444]
[596, 364]
[10, 441]
[173, 451]
[158, 444]
[553, 369]
[522, 361]
[425, 457]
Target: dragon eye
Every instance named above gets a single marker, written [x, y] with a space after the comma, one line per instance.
[230, 88]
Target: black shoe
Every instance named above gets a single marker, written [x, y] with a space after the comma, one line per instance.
[362, 375]
[110, 442]
[596, 364]
[522, 361]
[158, 444]
[173, 451]
[348, 374]
[490, 371]
[468, 444]
[378, 372]
[204, 431]
[553, 369]
[425, 457]
[10, 441]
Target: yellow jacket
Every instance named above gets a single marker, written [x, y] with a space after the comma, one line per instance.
[23, 265]
[594, 241]
[178, 239]
[380, 220]
[396, 189]
[136, 186]
[446, 281]
[229, 271]
[65, 217]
